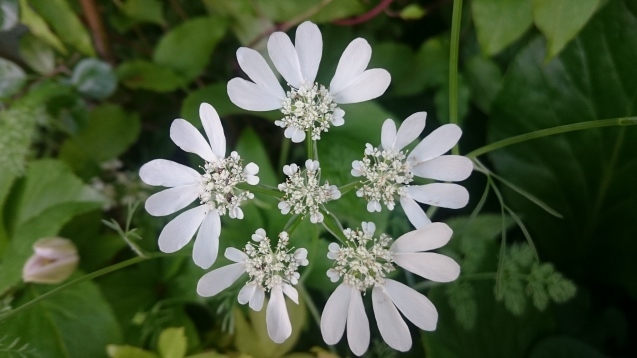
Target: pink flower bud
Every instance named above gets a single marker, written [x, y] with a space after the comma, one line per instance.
[54, 261]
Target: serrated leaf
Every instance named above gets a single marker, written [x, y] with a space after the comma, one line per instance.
[172, 343]
[500, 22]
[12, 78]
[39, 27]
[37, 54]
[139, 74]
[144, 11]
[94, 78]
[8, 14]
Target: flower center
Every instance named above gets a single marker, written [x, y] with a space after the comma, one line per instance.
[218, 186]
[310, 108]
[269, 268]
[364, 261]
[303, 192]
[386, 174]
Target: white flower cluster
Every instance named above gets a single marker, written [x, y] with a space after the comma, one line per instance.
[219, 185]
[386, 173]
[303, 192]
[364, 260]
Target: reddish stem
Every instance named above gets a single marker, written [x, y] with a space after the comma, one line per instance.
[366, 16]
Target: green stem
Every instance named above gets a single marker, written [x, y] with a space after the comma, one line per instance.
[347, 187]
[79, 280]
[261, 189]
[624, 121]
[453, 66]
[310, 145]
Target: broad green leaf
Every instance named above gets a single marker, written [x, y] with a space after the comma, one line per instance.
[144, 11]
[247, 23]
[500, 22]
[38, 26]
[37, 54]
[187, 48]
[94, 78]
[282, 10]
[561, 20]
[564, 347]
[108, 133]
[77, 322]
[586, 176]
[115, 351]
[8, 14]
[172, 343]
[60, 15]
[412, 12]
[398, 59]
[484, 78]
[139, 74]
[12, 78]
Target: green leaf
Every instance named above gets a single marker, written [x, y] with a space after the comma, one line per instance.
[247, 23]
[115, 351]
[561, 20]
[564, 347]
[108, 133]
[94, 78]
[38, 26]
[500, 22]
[283, 10]
[8, 14]
[12, 78]
[172, 343]
[144, 11]
[398, 59]
[587, 176]
[60, 15]
[75, 323]
[187, 48]
[37, 54]
[484, 78]
[412, 12]
[139, 74]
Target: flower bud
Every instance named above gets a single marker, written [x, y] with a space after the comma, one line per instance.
[54, 261]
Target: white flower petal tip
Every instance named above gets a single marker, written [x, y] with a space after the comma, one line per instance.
[257, 69]
[358, 334]
[445, 195]
[391, 325]
[285, 58]
[294, 134]
[334, 315]
[429, 265]
[212, 126]
[277, 319]
[367, 86]
[259, 235]
[206, 248]
[309, 48]
[410, 129]
[429, 237]
[188, 138]
[178, 232]
[218, 280]
[437, 143]
[415, 306]
[235, 255]
[161, 172]
[171, 200]
[252, 97]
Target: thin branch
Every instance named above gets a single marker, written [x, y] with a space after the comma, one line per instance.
[366, 16]
[98, 31]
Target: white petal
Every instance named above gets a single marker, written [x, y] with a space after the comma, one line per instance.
[430, 265]
[427, 238]
[252, 97]
[368, 85]
[256, 302]
[246, 293]
[188, 138]
[212, 126]
[276, 316]
[235, 255]
[171, 200]
[334, 314]
[252, 179]
[414, 212]
[309, 47]
[168, 173]
[388, 134]
[255, 66]
[452, 196]
[251, 169]
[296, 135]
[291, 292]
[392, 327]
[180, 230]
[206, 247]
[436, 143]
[352, 63]
[218, 280]
[284, 57]
[410, 129]
[415, 306]
[357, 324]
[445, 168]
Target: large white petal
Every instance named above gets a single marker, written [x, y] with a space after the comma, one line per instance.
[235, 255]
[284, 57]
[206, 247]
[276, 316]
[388, 134]
[415, 306]
[410, 129]
[392, 327]
[414, 212]
[218, 280]
[334, 316]
[171, 200]
[445, 168]
[357, 324]
[436, 143]
[368, 85]
[309, 47]
[291, 292]
[177, 233]
[254, 65]
[168, 173]
[427, 238]
[246, 293]
[444, 195]
[352, 63]
[188, 138]
[212, 126]
[256, 302]
[430, 265]
[252, 97]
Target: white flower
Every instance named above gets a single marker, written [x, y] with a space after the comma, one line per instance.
[53, 261]
[388, 170]
[307, 106]
[269, 271]
[363, 263]
[303, 192]
[215, 189]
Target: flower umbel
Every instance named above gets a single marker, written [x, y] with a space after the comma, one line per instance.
[303, 192]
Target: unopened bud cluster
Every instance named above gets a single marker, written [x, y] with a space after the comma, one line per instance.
[218, 186]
